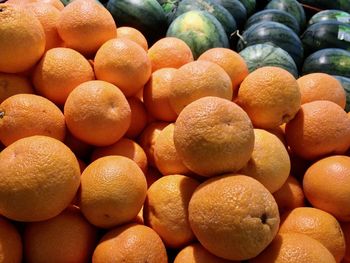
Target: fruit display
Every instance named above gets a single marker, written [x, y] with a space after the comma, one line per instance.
[180, 131]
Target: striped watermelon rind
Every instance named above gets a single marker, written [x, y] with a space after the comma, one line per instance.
[345, 82]
[261, 55]
[330, 15]
[200, 30]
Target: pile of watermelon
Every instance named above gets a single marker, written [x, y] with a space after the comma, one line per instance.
[301, 36]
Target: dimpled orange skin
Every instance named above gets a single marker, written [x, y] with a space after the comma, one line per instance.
[320, 128]
[10, 242]
[233, 216]
[12, 84]
[326, 183]
[270, 96]
[39, 178]
[22, 39]
[213, 136]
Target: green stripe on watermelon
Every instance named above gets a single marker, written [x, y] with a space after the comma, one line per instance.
[200, 30]
[236, 9]
[249, 5]
[274, 15]
[213, 8]
[261, 55]
[330, 15]
[345, 82]
[144, 15]
[275, 33]
[343, 5]
[292, 7]
[333, 61]
[326, 34]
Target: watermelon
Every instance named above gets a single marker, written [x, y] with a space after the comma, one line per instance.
[275, 16]
[236, 9]
[292, 7]
[145, 15]
[330, 15]
[326, 34]
[275, 33]
[213, 8]
[333, 61]
[200, 30]
[343, 5]
[345, 82]
[249, 5]
[261, 55]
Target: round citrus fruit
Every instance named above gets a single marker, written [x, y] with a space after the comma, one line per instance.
[213, 136]
[39, 178]
[12, 84]
[326, 183]
[270, 96]
[132, 34]
[97, 112]
[24, 115]
[233, 216]
[113, 190]
[10, 242]
[166, 209]
[22, 39]
[139, 117]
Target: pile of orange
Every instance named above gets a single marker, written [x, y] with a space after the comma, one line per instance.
[116, 151]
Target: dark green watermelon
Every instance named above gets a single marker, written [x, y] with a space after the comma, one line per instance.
[213, 8]
[330, 15]
[343, 5]
[292, 7]
[275, 33]
[236, 9]
[333, 61]
[345, 82]
[200, 30]
[274, 15]
[144, 15]
[249, 5]
[261, 55]
[326, 34]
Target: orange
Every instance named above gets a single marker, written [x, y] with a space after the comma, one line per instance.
[24, 115]
[124, 147]
[10, 242]
[97, 112]
[130, 243]
[317, 224]
[198, 79]
[147, 139]
[67, 237]
[292, 248]
[166, 209]
[279, 132]
[59, 72]
[320, 128]
[233, 216]
[321, 86]
[169, 52]
[234, 65]
[132, 34]
[156, 95]
[48, 16]
[270, 163]
[113, 189]
[22, 39]
[84, 25]
[39, 178]
[56, 3]
[270, 96]
[12, 84]
[139, 117]
[196, 253]
[326, 185]
[152, 175]
[165, 155]
[123, 63]
[213, 136]
[290, 195]
[81, 149]
[346, 231]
